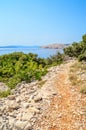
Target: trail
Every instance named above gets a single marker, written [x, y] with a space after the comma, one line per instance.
[67, 110]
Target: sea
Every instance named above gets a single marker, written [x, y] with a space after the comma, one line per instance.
[41, 52]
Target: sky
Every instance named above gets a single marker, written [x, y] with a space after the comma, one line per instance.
[41, 22]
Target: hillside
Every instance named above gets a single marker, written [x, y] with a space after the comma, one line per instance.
[53, 103]
[55, 46]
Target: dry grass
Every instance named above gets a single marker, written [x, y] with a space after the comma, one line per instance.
[41, 83]
[77, 76]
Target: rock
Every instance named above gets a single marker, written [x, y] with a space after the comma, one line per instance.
[20, 125]
[34, 110]
[11, 97]
[3, 87]
[19, 116]
[28, 127]
[25, 105]
[12, 115]
[37, 98]
[54, 93]
[27, 116]
[0, 113]
[32, 91]
[18, 100]
[2, 109]
[13, 106]
[60, 115]
[11, 121]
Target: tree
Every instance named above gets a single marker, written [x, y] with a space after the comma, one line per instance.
[84, 38]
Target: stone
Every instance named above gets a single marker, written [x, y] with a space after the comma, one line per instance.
[11, 97]
[28, 127]
[27, 116]
[19, 115]
[3, 87]
[11, 121]
[13, 106]
[37, 98]
[35, 110]
[18, 100]
[25, 105]
[20, 124]
[54, 93]
[0, 113]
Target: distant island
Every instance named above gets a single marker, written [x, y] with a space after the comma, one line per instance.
[55, 46]
[50, 46]
[18, 46]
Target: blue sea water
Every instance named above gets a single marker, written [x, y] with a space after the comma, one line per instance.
[42, 52]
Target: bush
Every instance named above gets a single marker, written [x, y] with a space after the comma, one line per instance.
[77, 50]
[55, 59]
[17, 67]
[82, 57]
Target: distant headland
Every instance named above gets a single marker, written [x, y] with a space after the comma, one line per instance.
[55, 46]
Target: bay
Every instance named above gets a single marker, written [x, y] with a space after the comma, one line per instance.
[41, 52]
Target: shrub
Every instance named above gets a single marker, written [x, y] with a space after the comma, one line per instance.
[82, 57]
[77, 50]
[17, 67]
[55, 59]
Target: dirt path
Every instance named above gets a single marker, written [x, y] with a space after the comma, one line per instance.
[67, 110]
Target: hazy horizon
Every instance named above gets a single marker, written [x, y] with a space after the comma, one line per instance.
[36, 22]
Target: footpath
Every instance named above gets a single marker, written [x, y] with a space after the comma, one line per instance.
[50, 104]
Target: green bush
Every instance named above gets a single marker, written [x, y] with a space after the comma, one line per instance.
[82, 57]
[17, 67]
[55, 59]
[77, 50]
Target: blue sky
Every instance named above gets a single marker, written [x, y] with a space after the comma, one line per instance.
[38, 22]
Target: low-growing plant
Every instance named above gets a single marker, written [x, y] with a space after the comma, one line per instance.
[41, 83]
[77, 50]
[77, 76]
[5, 93]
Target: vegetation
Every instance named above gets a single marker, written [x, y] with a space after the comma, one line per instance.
[4, 93]
[77, 50]
[17, 67]
[78, 76]
[78, 70]
[55, 59]
[41, 83]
